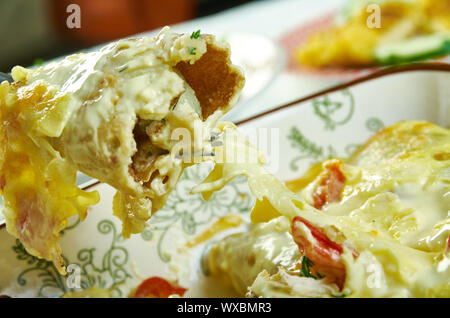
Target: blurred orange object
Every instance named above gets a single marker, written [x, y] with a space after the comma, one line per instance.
[107, 20]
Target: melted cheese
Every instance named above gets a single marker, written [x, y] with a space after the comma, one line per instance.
[243, 256]
[394, 210]
[111, 114]
[286, 284]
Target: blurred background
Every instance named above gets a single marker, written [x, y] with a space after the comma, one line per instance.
[288, 49]
[34, 30]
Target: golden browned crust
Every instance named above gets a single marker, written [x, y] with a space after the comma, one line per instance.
[213, 78]
[399, 139]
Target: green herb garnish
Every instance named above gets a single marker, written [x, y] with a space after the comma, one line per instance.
[123, 69]
[192, 50]
[175, 105]
[38, 62]
[195, 34]
[307, 264]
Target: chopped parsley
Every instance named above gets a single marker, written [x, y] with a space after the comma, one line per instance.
[38, 62]
[195, 34]
[175, 105]
[307, 264]
[123, 69]
[192, 50]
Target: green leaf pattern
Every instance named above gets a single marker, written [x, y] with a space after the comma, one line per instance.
[333, 113]
[193, 211]
[109, 274]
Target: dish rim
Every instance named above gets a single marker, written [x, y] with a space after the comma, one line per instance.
[391, 70]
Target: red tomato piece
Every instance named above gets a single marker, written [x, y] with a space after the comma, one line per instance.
[328, 188]
[157, 287]
[323, 252]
